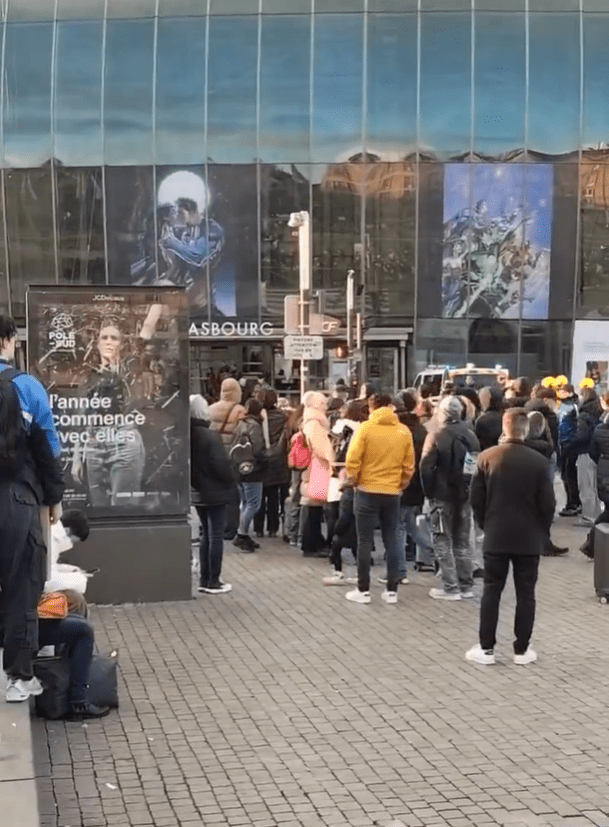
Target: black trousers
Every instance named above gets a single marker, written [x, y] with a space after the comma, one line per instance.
[272, 506]
[568, 473]
[524, 570]
[22, 576]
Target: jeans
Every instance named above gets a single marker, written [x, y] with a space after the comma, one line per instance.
[568, 473]
[524, 569]
[76, 634]
[115, 469]
[408, 527]
[213, 523]
[451, 524]
[292, 508]
[586, 481]
[371, 509]
[251, 497]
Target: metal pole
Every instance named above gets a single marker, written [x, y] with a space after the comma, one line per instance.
[350, 308]
[301, 220]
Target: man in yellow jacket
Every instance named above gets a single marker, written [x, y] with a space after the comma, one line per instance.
[380, 461]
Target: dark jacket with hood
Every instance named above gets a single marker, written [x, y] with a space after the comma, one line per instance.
[538, 437]
[276, 471]
[211, 474]
[587, 419]
[567, 425]
[513, 499]
[599, 452]
[413, 493]
[488, 426]
[442, 460]
[549, 413]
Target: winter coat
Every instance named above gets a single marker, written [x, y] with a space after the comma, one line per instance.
[230, 397]
[413, 493]
[442, 460]
[549, 413]
[252, 427]
[543, 446]
[488, 428]
[513, 499]
[276, 471]
[587, 419]
[315, 429]
[380, 458]
[599, 452]
[566, 414]
[211, 474]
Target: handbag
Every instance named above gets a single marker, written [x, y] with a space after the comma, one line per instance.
[53, 606]
[103, 680]
[319, 480]
[54, 674]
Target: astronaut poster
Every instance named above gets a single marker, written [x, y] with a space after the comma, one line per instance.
[497, 240]
[193, 227]
[115, 365]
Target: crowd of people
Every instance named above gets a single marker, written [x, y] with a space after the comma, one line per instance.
[459, 484]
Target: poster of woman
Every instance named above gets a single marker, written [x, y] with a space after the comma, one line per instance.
[115, 366]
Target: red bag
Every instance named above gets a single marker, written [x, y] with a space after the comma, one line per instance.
[300, 455]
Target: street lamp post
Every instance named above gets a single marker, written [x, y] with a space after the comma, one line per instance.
[302, 221]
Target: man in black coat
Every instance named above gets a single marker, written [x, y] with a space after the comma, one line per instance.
[488, 424]
[513, 501]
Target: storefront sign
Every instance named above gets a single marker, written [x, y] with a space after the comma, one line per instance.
[230, 330]
[115, 367]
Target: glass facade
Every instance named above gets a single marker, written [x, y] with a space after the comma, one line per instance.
[452, 152]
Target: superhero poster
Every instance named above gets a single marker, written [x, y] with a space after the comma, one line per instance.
[497, 240]
[115, 365]
[192, 227]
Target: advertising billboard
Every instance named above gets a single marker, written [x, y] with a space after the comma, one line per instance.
[115, 365]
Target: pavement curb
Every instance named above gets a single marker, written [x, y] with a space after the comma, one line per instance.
[18, 791]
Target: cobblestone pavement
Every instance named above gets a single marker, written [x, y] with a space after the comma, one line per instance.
[283, 704]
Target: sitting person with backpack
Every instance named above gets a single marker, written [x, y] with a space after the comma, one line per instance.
[247, 456]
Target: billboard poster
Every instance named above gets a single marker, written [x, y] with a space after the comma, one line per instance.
[191, 227]
[497, 240]
[115, 365]
[591, 353]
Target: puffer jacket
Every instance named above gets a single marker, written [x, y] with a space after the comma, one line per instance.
[599, 452]
[315, 428]
[587, 420]
[230, 398]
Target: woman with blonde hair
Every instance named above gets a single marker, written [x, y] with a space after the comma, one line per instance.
[315, 428]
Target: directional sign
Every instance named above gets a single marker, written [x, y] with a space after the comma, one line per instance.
[303, 347]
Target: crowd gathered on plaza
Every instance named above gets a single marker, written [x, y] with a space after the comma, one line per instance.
[460, 484]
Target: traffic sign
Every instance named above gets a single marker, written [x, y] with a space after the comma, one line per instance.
[303, 347]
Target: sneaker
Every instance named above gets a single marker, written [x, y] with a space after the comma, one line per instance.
[554, 551]
[337, 578]
[390, 597]
[358, 597]
[479, 655]
[569, 512]
[245, 543]
[467, 594]
[219, 588]
[86, 711]
[440, 594]
[16, 691]
[403, 581]
[33, 686]
[530, 656]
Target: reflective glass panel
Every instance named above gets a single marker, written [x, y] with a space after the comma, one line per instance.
[440, 342]
[180, 95]
[564, 260]
[596, 90]
[499, 78]
[546, 350]
[29, 10]
[446, 5]
[593, 290]
[4, 308]
[182, 8]
[29, 218]
[554, 5]
[337, 92]
[131, 225]
[285, 88]
[554, 83]
[78, 77]
[339, 5]
[430, 240]
[80, 9]
[80, 224]
[445, 83]
[27, 94]
[286, 6]
[392, 83]
[232, 67]
[392, 5]
[500, 5]
[493, 342]
[130, 8]
[128, 91]
[234, 6]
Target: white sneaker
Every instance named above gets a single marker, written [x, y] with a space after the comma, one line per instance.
[221, 588]
[440, 594]
[467, 595]
[390, 597]
[358, 597]
[479, 655]
[530, 656]
[18, 690]
[403, 581]
[337, 578]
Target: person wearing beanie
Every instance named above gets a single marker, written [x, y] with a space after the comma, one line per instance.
[445, 468]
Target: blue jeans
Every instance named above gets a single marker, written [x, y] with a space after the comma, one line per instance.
[251, 498]
[370, 510]
[213, 522]
[408, 527]
[76, 634]
[115, 469]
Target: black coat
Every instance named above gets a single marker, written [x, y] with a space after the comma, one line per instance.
[549, 413]
[513, 499]
[599, 452]
[541, 445]
[587, 420]
[211, 473]
[488, 428]
[440, 451]
[276, 471]
[413, 493]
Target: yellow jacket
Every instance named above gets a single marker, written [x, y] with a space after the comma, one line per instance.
[380, 458]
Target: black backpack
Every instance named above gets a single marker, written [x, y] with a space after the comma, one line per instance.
[242, 453]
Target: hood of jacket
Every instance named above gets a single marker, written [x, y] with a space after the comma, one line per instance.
[230, 391]
[384, 416]
[314, 414]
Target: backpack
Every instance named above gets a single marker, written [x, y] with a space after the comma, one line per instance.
[300, 455]
[242, 454]
[462, 467]
[11, 438]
